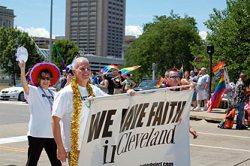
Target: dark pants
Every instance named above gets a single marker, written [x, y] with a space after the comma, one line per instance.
[240, 107]
[36, 146]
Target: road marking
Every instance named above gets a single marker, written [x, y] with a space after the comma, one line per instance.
[217, 147]
[13, 102]
[224, 135]
[13, 139]
[13, 149]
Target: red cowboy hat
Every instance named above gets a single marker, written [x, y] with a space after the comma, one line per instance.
[36, 70]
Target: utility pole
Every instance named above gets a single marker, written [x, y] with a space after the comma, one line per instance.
[50, 36]
[210, 51]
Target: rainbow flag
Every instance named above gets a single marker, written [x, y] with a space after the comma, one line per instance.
[127, 70]
[159, 82]
[218, 93]
[218, 69]
[109, 68]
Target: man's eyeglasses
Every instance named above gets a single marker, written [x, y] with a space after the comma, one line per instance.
[45, 78]
[175, 77]
[85, 69]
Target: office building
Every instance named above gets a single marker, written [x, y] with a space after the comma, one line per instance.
[96, 26]
[6, 17]
[128, 40]
[42, 42]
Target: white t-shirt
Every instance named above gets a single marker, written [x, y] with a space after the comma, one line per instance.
[40, 112]
[63, 107]
[202, 81]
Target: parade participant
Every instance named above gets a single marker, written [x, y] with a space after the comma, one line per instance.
[185, 80]
[95, 80]
[63, 79]
[247, 106]
[202, 89]
[192, 76]
[40, 100]
[128, 83]
[239, 100]
[104, 83]
[117, 81]
[172, 79]
[69, 108]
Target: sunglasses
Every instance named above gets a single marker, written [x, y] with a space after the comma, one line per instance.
[45, 78]
[174, 77]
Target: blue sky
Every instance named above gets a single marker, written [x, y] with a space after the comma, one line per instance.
[33, 15]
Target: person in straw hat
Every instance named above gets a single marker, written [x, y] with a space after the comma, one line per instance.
[40, 99]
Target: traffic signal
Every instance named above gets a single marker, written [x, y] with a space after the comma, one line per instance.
[210, 49]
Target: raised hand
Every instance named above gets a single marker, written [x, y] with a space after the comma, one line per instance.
[21, 65]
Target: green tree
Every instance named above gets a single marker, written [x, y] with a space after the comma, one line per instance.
[10, 40]
[230, 34]
[165, 42]
[64, 50]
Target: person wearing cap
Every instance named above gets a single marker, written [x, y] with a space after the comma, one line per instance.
[40, 100]
[202, 88]
[63, 79]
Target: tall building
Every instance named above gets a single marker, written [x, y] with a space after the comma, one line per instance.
[6, 20]
[6, 17]
[128, 40]
[96, 26]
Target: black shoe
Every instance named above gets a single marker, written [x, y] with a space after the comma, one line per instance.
[243, 127]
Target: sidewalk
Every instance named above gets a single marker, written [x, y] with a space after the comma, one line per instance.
[215, 116]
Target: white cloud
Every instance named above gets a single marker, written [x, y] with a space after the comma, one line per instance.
[203, 34]
[134, 30]
[36, 32]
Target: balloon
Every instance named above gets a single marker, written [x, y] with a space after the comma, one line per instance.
[21, 54]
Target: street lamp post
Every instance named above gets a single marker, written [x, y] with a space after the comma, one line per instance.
[50, 36]
[210, 51]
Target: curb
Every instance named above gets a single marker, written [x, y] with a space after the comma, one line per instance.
[208, 119]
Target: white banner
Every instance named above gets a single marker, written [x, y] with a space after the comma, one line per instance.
[148, 129]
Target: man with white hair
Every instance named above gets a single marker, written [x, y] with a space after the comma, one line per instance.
[70, 108]
[202, 89]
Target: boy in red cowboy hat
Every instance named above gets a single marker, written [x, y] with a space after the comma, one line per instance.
[40, 100]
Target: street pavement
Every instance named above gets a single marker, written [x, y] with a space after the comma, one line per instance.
[215, 116]
[209, 148]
